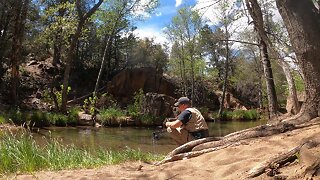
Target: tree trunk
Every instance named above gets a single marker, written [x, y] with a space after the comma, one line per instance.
[72, 49]
[70, 57]
[256, 14]
[20, 14]
[293, 106]
[271, 90]
[225, 78]
[106, 55]
[302, 20]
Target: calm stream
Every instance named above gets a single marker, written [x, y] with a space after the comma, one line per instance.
[116, 138]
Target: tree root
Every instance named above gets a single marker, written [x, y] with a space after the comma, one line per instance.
[310, 160]
[192, 154]
[188, 146]
[206, 145]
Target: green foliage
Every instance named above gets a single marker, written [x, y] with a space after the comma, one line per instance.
[112, 116]
[148, 119]
[240, 115]
[16, 116]
[43, 118]
[62, 20]
[2, 119]
[298, 82]
[89, 104]
[48, 98]
[134, 110]
[38, 119]
[20, 153]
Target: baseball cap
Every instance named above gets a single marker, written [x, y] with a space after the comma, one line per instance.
[182, 100]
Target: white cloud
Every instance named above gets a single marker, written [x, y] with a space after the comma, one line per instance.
[178, 3]
[151, 32]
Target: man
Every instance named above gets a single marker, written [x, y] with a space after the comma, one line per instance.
[189, 125]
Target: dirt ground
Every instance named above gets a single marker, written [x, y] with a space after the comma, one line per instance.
[230, 163]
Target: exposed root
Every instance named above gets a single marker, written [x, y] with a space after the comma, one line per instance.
[303, 152]
[192, 154]
[188, 146]
[274, 163]
[206, 145]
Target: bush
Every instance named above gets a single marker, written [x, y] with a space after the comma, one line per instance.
[112, 116]
[240, 115]
[2, 119]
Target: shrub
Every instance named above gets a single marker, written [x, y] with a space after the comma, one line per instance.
[112, 116]
[240, 115]
[2, 119]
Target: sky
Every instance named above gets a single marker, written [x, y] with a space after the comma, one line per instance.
[153, 26]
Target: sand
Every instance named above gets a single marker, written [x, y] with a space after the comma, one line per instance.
[230, 163]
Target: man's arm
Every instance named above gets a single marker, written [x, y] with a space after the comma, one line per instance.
[174, 124]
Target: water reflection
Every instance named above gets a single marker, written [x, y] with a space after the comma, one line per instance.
[132, 137]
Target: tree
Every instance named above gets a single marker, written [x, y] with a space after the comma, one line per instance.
[302, 20]
[184, 33]
[256, 14]
[82, 18]
[20, 14]
[115, 19]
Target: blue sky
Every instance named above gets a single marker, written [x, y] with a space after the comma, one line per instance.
[153, 26]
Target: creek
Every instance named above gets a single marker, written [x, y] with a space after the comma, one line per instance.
[117, 138]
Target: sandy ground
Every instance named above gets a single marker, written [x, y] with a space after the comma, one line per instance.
[229, 163]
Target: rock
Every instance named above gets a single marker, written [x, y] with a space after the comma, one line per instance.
[157, 105]
[127, 82]
[84, 119]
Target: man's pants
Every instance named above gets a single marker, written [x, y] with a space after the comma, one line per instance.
[180, 136]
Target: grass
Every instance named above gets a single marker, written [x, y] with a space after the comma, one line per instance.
[240, 115]
[2, 119]
[39, 118]
[112, 116]
[20, 154]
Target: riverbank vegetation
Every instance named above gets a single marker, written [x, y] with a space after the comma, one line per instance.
[20, 153]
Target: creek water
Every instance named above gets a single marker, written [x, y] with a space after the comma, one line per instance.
[117, 138]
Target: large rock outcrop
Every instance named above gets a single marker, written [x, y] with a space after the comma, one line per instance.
[127, 82]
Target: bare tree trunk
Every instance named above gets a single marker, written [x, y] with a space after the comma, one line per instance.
[302, 20]
[271, 91]
[20, 14]
[256, 14]
[106, 54]
[293, 106]
[225, 79]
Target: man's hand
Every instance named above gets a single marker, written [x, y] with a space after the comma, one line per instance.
[168, 124]
[166, 120]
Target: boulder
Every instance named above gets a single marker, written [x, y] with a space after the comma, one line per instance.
[127, 82]
[157, 105]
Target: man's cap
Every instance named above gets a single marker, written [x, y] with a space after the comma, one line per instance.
[182, 100]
